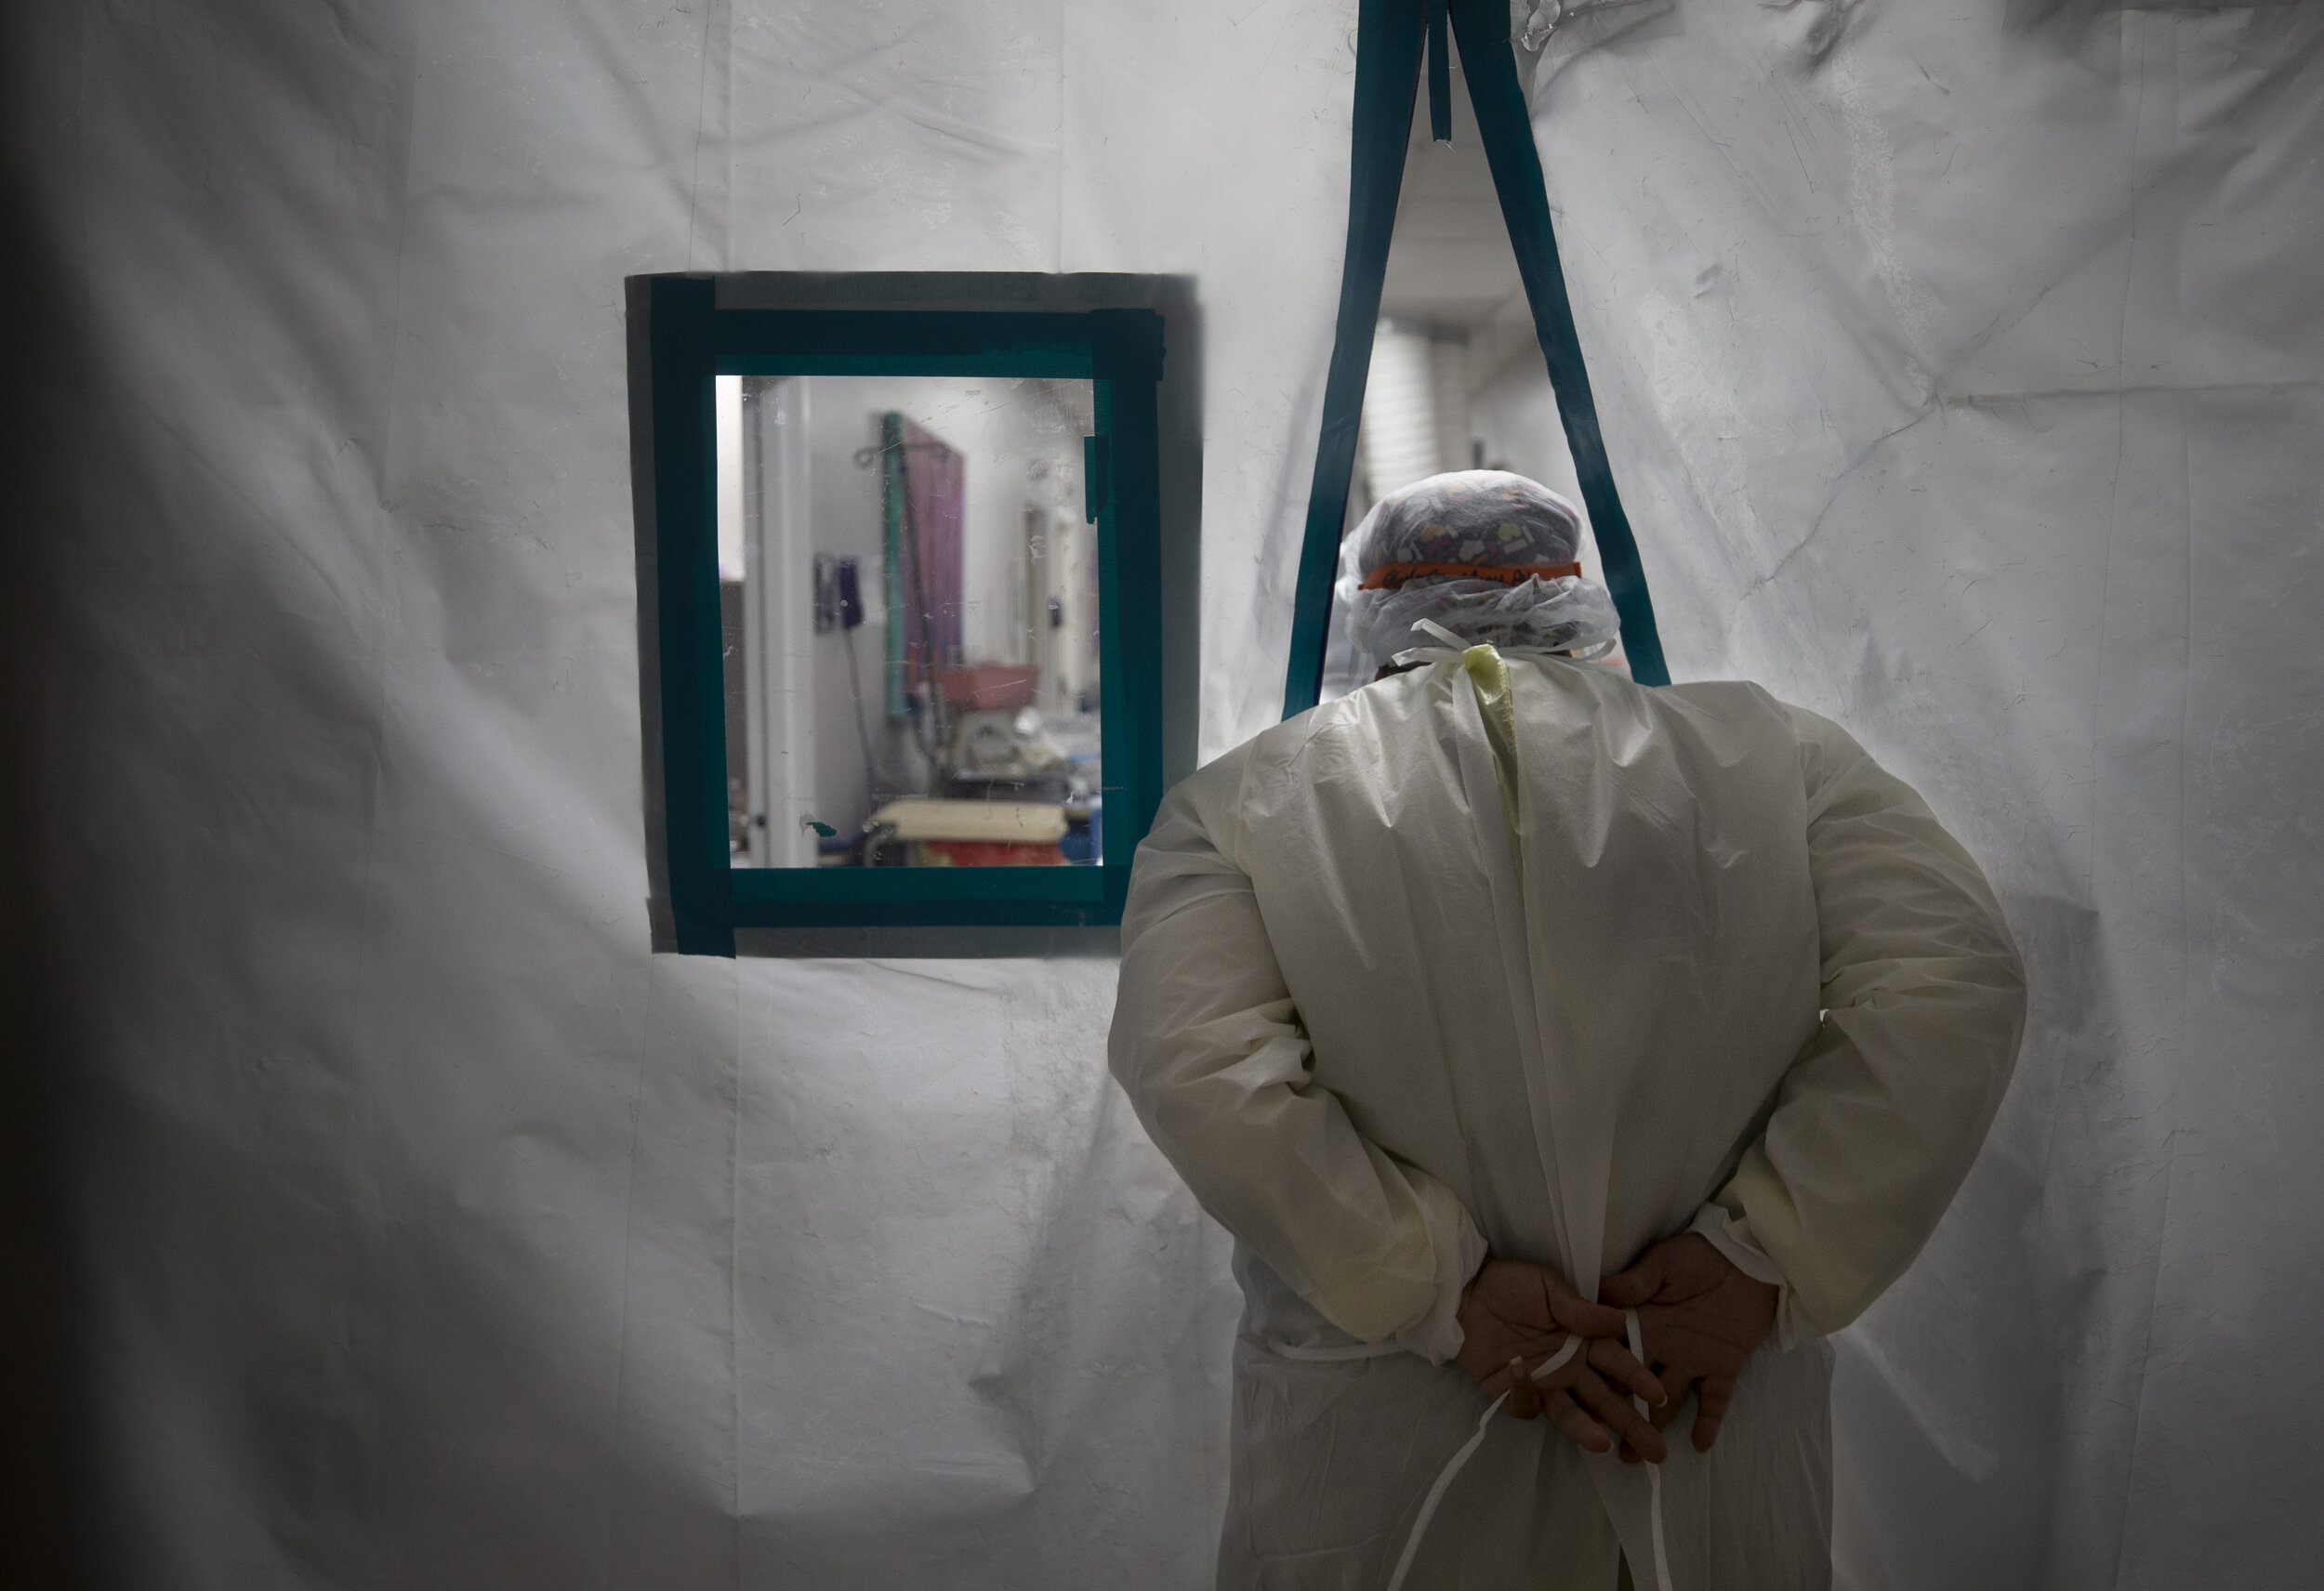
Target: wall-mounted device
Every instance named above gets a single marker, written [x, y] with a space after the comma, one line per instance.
[851, 596]
[827, 593]
[838, 594]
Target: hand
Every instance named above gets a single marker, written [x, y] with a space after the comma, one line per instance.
[1700, 1319]
[1514, 1316]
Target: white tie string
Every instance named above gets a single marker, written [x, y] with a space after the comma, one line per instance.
[1654, 1471]
[1548, 1368]
[1444, 1477]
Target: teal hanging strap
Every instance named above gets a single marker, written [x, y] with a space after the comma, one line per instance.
[1439, 75]
[1387, 73]
[1389, 35]
[1482, 27]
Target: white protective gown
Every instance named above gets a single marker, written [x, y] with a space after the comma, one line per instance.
[1378, 1027]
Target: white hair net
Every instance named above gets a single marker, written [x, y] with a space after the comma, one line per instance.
[1449, 549]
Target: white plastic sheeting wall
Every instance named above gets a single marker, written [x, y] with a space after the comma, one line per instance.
[434, 1233]
[1963, 369]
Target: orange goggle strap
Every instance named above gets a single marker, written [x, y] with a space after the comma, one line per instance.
[1390, 576]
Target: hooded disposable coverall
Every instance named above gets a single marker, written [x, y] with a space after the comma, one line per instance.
[1515, 953]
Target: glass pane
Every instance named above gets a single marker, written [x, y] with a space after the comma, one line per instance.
[911, 603]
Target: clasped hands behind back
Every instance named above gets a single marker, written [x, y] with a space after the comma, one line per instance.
[1700, 1320]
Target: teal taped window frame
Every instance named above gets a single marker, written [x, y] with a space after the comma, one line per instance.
[1390, 35]
[680, 338]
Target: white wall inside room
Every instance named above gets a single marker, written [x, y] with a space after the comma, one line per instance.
[825, 491]
[981, 423]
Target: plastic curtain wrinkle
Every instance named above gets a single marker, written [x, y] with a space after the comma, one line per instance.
[1542, 20]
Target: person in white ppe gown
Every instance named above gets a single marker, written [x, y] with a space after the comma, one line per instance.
[1501, 974]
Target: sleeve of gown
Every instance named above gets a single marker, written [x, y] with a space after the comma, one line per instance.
[1878, 1120]
[1208, 1047]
